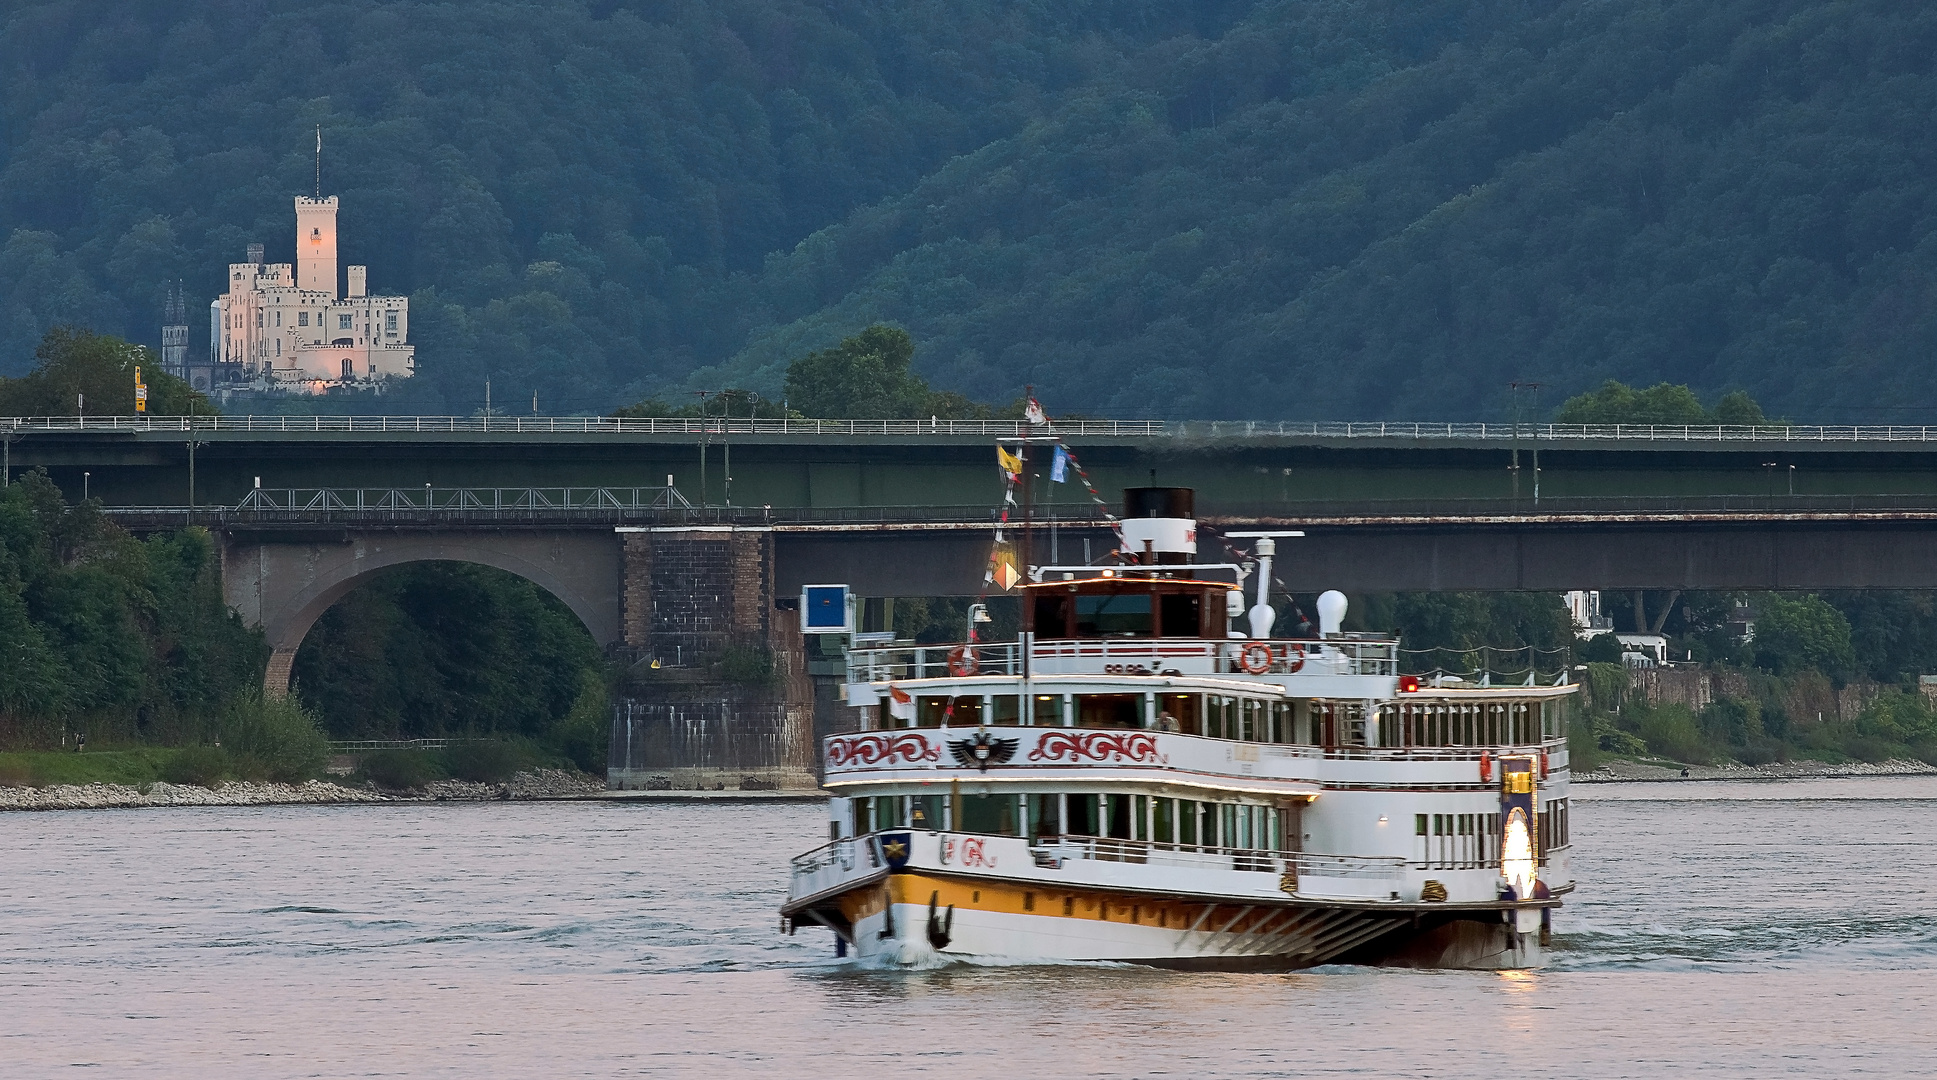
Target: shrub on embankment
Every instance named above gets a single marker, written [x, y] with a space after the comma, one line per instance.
[482, 761]
[127, 640]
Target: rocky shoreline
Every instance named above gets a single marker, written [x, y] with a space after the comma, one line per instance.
[1632, 771]
[540, 784]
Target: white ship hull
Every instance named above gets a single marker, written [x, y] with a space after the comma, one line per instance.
[918, 912]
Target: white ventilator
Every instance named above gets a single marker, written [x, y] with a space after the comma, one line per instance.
[1331, 612]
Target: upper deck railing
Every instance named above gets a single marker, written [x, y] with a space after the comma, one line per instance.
[1139, 429]
[1126, 656]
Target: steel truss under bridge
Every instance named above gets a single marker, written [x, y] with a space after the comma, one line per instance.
[429, 499]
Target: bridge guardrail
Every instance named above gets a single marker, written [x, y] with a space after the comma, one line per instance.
[1183, 429]
[666, 506]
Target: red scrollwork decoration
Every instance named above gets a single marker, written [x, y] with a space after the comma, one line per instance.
[907, 748]
[974, 854]
[1095, 746]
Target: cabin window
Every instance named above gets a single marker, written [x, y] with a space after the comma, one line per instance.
[925, 812]
[1052, 615]
[1117, 816]
[1163, 821]
[1005, 709]
[929, 711]
[1180, 615]
[1084, 816]
[1119, 615]
[881, 812]
[1045, 816]
[1048, 711]
[1186, 822]
[990, 814]
[1179, 712]
[1109, 710]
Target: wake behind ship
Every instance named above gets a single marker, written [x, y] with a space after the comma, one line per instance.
[1135, 778]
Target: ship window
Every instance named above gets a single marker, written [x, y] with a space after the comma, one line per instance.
[993, 815]
[1178, 712]
[926, 812]
[1083, 816]
[1109, 710]
[1048, 710]
[1180, 615]
[929, 711]
[1120, 615]
[1419, 824]
[1163, 821]
[1005, 709]
[1045, 815]
[1052, 615]
[1186, 822]
[1121, 822]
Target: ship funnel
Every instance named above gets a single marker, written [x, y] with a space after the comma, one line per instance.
[1331, 612]
[1160, 520]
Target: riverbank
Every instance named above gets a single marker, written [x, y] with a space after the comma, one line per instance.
[540, 784]
[1623, 771]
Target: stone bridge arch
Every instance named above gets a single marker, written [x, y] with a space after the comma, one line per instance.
[284, 584]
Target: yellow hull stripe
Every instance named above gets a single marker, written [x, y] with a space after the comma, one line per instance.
[1063, 902]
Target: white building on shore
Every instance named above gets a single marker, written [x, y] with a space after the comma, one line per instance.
[289, 328]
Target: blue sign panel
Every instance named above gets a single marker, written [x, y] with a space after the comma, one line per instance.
[823, 609]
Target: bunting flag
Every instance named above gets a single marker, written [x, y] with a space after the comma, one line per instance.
[901, 704]
[1002, 566]
[1115, 525]
[1059, 467]
[1033, 413]
[1011, 463]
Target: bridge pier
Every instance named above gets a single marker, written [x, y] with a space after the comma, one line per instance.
[717, 695]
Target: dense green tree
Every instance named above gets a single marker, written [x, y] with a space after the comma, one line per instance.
[1794, 634]
[865, 377]
[1225, 208]
[1664, 403]
[445, 649]
[79, 369]
[98, 629]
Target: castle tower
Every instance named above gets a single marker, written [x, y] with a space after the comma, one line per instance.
[316, 245]
[174, 333]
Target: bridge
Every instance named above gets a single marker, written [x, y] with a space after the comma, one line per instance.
[673, 536]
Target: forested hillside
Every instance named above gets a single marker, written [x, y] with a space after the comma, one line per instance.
[1353, 208]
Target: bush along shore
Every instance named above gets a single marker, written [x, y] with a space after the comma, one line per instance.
[524, 785]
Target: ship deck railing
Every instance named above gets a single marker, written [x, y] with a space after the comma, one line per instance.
[1126, 656]
[1049, 849]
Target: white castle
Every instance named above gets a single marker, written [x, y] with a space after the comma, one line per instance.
[288, 328]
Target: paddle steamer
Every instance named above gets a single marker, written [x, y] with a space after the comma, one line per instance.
[1147, 775]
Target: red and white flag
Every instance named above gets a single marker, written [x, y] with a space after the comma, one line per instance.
[901, 704]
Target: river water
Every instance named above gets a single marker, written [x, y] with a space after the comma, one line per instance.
[1727, 929]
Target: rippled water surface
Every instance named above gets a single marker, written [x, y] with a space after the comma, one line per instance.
[1750, 929]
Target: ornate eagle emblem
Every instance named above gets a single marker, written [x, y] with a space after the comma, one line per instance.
[983, 750]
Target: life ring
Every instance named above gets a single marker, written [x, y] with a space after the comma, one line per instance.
[962, 662]
[1294, 658]
[1255, 658]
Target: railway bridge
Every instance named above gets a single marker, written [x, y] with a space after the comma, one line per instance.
[667, 538]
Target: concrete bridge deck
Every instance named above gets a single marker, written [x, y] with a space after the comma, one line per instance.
[1235, 466]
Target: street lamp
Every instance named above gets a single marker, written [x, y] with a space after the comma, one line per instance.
[84, 477]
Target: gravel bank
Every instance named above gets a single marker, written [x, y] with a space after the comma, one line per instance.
[1632, 770]
[542, 784]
